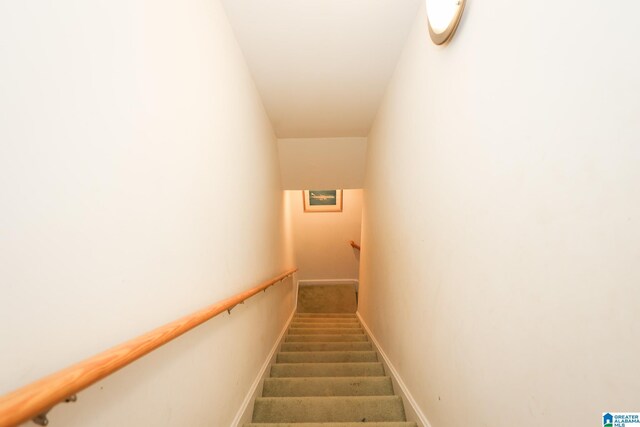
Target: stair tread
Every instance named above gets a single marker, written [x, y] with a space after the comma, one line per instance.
[326, 356]
[325, 314]
[345, 369]
[325, 331]
[326, 338]
[326, 346]
[332, 399]
[356, 424]
[327, 386]
[328, 409]
[327, 317]
[348, 320]
[324, 321]
[320, 325]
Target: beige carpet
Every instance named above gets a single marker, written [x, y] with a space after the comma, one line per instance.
[327, 299]
[327, 373]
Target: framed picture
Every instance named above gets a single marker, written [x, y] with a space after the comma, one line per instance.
[322, 200]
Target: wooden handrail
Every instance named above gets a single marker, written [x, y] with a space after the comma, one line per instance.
[354, 245]
[36, 398]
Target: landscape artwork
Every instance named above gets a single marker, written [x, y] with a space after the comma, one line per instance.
[322, 200]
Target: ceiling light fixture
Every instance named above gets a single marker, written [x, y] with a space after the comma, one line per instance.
[444, 17]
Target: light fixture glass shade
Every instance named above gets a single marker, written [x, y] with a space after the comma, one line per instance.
[440, 13]
[444, 17]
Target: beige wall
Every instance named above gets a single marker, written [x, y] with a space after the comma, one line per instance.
[139, 181]
[502, 219]
[322, 162]
[322, 238]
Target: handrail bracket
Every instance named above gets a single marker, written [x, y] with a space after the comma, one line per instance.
[42, 420]
[34, 401]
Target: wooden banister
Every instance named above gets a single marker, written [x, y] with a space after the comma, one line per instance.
[36, 398]
[354, 245]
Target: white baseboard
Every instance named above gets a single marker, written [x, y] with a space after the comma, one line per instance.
[245, 412]
[411, 409]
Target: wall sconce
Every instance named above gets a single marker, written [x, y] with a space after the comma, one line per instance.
[444, 17]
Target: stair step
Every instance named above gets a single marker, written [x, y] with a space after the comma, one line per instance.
[325, 338]
[367, 369]
[351, 315]
[326, 346]
[352, 325]
[326, 319]
[359, 424]
[325, 331]
[328, 409]
[327, 386]
[326, 356]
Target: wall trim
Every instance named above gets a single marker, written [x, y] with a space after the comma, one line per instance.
[411, 408]
[245, 412]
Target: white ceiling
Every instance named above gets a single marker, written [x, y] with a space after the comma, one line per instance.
[321, 66]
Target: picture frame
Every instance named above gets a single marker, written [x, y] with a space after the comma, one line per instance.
[322, 200]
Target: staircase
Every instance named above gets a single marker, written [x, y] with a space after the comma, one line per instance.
[327, 375]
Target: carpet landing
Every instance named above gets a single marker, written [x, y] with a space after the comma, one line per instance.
[328, 375]
[332, 298]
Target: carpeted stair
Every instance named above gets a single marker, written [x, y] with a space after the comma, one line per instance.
[328, 375]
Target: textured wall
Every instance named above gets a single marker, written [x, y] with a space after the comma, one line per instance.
[139, 181]
[502, 219]
[322, 238]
